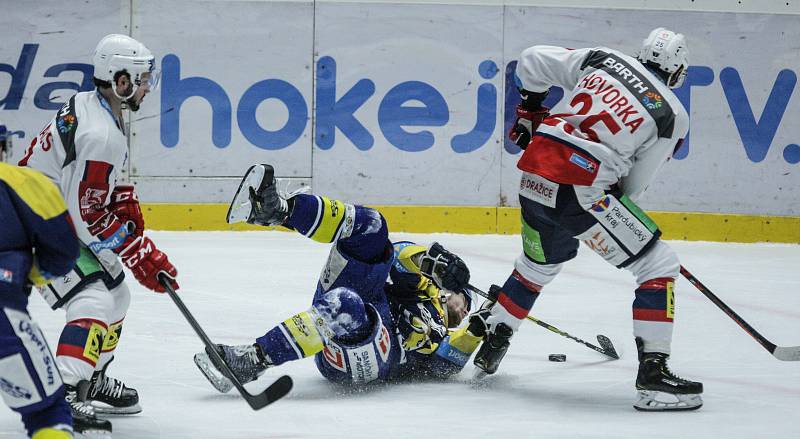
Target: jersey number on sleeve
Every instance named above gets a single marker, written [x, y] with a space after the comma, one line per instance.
[44, 140]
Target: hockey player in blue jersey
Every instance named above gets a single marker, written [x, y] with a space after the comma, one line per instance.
[359, 328]
[37, 243]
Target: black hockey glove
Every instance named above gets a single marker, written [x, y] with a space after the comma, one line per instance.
[445, 268]
[530, 114]
[477, 321]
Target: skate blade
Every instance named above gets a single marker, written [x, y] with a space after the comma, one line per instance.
[479, 374]
[654, 401]
[239, 210]
[214, 376]
[102, 409]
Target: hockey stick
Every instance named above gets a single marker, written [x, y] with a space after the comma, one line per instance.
[783, 353]
[274, 392]
[606, 347]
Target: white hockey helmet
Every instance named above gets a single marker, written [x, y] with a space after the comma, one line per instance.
[116, 53]
[667, 51]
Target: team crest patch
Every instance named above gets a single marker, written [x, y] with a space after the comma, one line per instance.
[652, 100]
[66, 124]
[587, 165]
[601, 204]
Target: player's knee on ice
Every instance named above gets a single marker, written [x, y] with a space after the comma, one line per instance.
[362, 360]
[345, 315]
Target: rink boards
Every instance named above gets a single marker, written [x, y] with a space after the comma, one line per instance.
[498, 220]
[407, 106]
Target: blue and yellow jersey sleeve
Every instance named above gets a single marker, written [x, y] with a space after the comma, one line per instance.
[38, 220]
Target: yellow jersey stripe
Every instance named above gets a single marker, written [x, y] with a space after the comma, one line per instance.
[36, 190]
[304, 333]
[333, 213]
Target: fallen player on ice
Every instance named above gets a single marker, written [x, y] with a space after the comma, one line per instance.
[359, 328]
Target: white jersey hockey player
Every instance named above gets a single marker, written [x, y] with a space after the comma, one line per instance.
[83, 151]
[584, 166]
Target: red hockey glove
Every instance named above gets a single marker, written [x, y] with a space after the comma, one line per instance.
[125, 205]
[526, 124]
[146, 262]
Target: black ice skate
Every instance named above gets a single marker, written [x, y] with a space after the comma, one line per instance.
[493, 350]
[247, 362]
[257, 200]
[660, 389]
[84, 420]
[110, 396]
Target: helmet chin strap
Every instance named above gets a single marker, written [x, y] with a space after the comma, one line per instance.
[130, 95]
[128, 100]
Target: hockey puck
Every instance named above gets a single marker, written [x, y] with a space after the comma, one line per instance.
[560, 358]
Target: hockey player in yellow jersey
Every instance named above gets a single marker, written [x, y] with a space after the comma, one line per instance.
[37, 243]
[360, 328]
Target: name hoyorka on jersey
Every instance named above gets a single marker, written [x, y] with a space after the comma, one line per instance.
[404, 110]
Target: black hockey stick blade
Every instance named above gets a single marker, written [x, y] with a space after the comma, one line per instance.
[783, 353]
[277, 390]
[606, 347]
[787, 353]
[274, 392]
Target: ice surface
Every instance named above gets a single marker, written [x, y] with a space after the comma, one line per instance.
[238, 285]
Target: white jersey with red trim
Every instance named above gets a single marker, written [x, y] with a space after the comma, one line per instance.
[616, 124]
[82, 150]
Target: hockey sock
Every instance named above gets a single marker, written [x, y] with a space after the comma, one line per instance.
[48, 422]
[79, 349]
[653, 312]
[318, 218]
[361, 232]
[294, 338]
[110, 343]
[515, 300]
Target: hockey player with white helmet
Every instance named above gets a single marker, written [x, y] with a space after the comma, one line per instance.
[359, 328]
[585, 164]
[83, 150]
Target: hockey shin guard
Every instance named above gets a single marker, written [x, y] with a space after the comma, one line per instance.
[653, 313]
[79, 349]
[514, 301]
[319, 218]
[295, 338]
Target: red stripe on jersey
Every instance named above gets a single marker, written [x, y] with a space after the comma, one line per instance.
[651, 315]
[86, 323]
[97, 172]
[528, 284]
[512, 308]
[66, 350]
[656, 284]
[558, 161]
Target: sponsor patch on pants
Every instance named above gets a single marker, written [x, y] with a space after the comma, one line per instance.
[538, 189]
[32, 338]
[602, 243]
[16, 385]
[615, 217]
